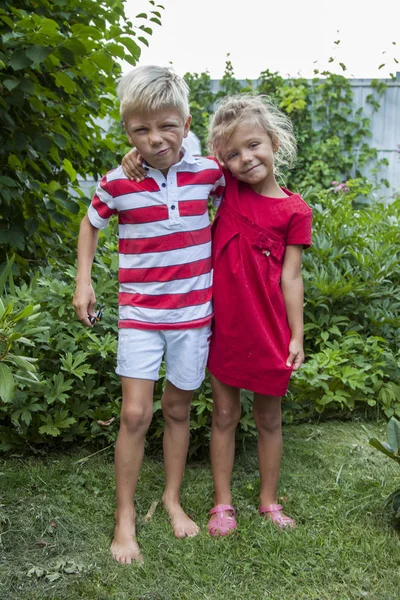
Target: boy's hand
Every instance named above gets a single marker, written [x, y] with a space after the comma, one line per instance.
[296, 355]
[132, 165]
[84, 301]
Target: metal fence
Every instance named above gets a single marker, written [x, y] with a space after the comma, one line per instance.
[385, 126]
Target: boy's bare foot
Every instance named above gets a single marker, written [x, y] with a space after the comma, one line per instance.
[182, 525]
[124, 547]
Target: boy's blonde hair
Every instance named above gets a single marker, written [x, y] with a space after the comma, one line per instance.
[256, 110]
[151, 88]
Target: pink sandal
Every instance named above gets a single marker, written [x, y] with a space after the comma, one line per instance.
[276, 515]
[223, 524]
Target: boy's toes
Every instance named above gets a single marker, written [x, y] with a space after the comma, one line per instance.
[127, 552]
[182, 525]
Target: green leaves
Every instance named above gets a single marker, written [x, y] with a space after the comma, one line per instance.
[393, 433]
[6, 383]
[20, 60]
[392, 450]
[38, 54]
[59, 66]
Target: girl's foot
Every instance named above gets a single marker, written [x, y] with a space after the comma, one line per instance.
[124, 547]
[222, 520]
[182, 525]
[274, 513]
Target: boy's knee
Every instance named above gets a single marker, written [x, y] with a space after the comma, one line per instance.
[136, 418]
[174, 412]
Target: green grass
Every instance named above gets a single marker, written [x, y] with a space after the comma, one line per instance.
[56, 519]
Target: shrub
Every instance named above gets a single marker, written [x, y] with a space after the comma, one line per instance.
[352, 324]
[352, 305]
[392, 450]
[59, 62]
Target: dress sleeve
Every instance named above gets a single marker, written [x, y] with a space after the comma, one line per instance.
[300, 229]
[102, 206]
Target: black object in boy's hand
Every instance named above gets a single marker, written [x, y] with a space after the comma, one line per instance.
[98, 316]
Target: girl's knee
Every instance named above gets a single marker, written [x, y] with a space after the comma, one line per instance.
[226, 417]
[267, 421]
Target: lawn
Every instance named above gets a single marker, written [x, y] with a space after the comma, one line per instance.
[56, 518]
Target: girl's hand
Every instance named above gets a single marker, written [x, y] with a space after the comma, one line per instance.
[296, 355]
[132, 165]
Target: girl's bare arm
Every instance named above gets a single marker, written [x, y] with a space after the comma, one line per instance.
[293, 294]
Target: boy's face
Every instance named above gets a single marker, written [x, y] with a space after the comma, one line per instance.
[158, 136]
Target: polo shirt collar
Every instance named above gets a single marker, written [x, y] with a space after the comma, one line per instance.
[187, 158]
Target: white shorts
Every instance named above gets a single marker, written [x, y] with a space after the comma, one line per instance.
[140, 353]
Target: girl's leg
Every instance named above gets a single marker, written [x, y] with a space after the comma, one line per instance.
[136, 415]
[226, 415]
[176, 409]
[268, 419]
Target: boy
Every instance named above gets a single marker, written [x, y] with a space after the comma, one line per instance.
[165, 285]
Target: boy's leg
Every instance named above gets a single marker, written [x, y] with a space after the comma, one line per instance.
[176, 410]
[186, 357]
[136, 415]
[226, 415]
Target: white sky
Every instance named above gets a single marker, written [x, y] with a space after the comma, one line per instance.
[289, 36]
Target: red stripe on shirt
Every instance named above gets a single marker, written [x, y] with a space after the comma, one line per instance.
[164, 243]
[146, 214]
[102, 208]
[191, 208]
[120, 187]
[132, 324]
[166, 301]
[172, 273]
[202, 177]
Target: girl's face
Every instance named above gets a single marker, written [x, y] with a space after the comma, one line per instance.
[249, 156]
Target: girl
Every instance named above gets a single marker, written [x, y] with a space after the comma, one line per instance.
[259, 232]
[258, 235]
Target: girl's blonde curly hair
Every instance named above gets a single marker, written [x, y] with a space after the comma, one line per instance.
[256, 110]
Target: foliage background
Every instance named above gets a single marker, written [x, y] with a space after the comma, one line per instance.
[58, 70]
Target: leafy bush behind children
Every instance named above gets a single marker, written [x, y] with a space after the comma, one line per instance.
[352, 311]
[351, 273]
[352, 316]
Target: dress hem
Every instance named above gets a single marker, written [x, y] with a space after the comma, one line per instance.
[247, 385]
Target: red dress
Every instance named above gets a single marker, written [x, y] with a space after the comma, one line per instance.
[250, 342]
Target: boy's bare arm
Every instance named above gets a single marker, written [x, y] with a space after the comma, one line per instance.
[84, 297]
[293, 295]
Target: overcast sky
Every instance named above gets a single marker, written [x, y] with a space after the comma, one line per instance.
[289, 36]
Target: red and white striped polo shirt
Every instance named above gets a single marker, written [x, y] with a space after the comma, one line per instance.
[165, 269]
